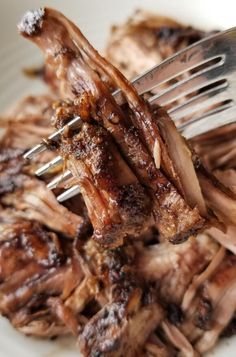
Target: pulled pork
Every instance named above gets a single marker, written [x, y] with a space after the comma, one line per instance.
[102, 267]
[84, 74]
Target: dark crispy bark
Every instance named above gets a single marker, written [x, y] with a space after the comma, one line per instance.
[115, 331]
[46, 286]
[35, 265]
[74, 61]
[144, 41]
[117, 328]
[118, 205]
[50, 285]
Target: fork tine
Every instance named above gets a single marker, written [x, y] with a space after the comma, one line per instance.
[185, 60]
[53, 137]
[71, 192]
[207, 61]
[189, 85]
[221, 116]
[201, 101]
[34, 151]
[59, 179]
[49, 165]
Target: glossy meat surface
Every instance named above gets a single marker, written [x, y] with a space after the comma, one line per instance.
[102, 267]
[83, 73]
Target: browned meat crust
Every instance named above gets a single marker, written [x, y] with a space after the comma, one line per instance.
[34, 267]
[117, 329]
[114, 330]
[70, 52]
[46, 286]
[148, 297]
[118, 206]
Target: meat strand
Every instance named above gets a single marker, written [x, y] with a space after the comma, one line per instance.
[80, 68]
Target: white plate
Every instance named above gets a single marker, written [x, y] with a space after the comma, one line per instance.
[94, 18]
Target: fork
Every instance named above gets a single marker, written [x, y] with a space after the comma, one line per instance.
[197, 86]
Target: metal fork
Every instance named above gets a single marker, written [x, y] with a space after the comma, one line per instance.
[197, 85]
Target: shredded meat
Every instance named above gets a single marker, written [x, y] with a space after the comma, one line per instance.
[101, 267]
[29, 119]
[34, 266]
[75, 62]
[117, 204]
[217, 148]
[173, 268]
[217, 151]
[213, 308]
[29, 197]
[114, 329]
[145, 40]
